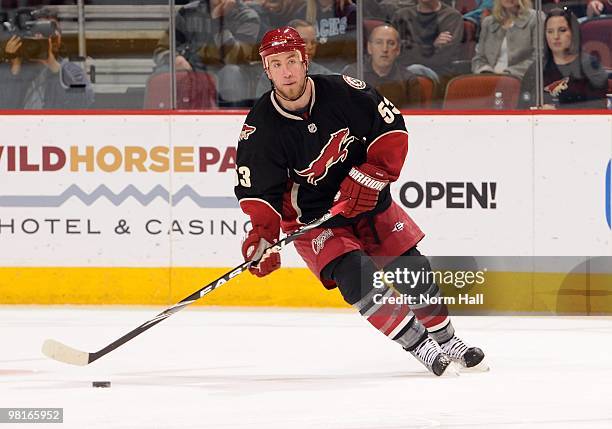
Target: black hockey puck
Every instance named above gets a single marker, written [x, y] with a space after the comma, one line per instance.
[101, 384]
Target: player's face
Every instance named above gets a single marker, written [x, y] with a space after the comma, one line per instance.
[383, 46]
[558, 35]
[288, 73]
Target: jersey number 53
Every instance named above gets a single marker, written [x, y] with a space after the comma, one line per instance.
[387, 110]
[243, 176]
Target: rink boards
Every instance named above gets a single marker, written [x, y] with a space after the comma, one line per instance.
[139, 209]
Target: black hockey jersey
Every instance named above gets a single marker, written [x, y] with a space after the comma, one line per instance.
[294, 164]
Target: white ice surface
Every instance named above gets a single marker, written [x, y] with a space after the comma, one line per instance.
[222, 368]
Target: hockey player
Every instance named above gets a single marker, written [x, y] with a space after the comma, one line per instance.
[316, 140]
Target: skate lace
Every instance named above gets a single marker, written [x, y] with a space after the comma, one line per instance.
[427, 351]
[455, 348]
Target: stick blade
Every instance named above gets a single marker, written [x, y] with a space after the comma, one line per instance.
[63, 353]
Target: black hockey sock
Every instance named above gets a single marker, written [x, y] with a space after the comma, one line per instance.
[382, 307]
[422, 288]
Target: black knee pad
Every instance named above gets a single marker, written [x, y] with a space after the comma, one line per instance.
[415, 262]
[353, 272]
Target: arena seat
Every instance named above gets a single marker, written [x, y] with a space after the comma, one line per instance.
[477, 91]
[465, 6]
[427, 88]
[194, 90]
[596, 37]
[467, 48]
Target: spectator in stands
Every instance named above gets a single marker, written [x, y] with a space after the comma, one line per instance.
[308, 33]
[389, 7]
[572, 79]
[598, 7]
[372, 9]
[335, 23]
[580, 8]
[382, 71]
[483, 10]
[216, 36]
[508, 39]
[36, 76]
[430, 33]
[277, 13]
[34, 4]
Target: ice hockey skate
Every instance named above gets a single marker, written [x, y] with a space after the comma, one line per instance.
[429, 353]
[469, 358]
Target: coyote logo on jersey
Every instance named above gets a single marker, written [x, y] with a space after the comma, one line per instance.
[335, 150]
[557, 86]
[247, 130]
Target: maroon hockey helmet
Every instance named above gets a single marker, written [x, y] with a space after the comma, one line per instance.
[283, 39]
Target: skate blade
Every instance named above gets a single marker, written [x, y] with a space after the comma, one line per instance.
[482, 366]
[452, 370]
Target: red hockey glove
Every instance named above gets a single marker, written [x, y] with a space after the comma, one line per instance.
[258, 239]
[361, 188]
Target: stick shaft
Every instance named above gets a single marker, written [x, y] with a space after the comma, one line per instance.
[58, 350]
[169, 311]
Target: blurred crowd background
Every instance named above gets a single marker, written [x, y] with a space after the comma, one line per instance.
[420, 54]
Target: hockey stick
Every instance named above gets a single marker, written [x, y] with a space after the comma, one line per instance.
[63, 353]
